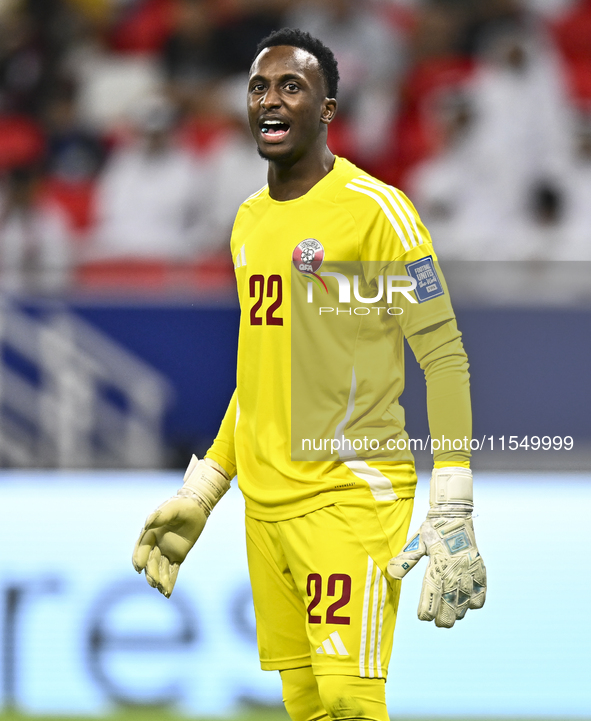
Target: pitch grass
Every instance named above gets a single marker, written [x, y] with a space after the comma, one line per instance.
[151, 714]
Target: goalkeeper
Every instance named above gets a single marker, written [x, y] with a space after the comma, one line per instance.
[327, 538]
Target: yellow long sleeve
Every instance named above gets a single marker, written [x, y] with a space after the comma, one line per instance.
[441, 355]
[222, 449]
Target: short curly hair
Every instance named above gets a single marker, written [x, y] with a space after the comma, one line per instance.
[303, 40]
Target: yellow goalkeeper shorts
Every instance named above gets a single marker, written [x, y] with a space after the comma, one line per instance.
[321, 595]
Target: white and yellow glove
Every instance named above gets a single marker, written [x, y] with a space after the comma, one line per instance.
[171, 531]
[455, 579]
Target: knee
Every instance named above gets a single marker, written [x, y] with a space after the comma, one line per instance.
[300, 695]
[349, 698]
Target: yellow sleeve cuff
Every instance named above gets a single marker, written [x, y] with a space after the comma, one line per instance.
[448, 464]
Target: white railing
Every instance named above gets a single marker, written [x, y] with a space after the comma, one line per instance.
[70, 397]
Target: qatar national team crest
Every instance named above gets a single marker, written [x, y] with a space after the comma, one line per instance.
[308, 255]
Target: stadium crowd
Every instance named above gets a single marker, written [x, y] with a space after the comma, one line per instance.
[124, 152]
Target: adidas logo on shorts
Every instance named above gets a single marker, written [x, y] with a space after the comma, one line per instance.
[333, 646]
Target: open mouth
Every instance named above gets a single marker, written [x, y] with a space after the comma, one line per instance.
[274, 130]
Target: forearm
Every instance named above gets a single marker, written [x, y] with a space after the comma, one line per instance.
[440, 353]
[222, 449]
[455, 580]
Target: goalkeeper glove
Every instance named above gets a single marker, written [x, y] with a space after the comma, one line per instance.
[171, 531]
[455, 579]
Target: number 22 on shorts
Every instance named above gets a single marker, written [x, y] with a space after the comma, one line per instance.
[314, 589]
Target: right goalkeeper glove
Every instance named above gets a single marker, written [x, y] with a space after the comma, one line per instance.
[172, 530]
[455, 579]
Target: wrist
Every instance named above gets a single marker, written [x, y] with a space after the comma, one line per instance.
[219, 468]
[451, 492]
[206, 482]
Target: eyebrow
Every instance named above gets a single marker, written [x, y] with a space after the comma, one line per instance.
[282, 78]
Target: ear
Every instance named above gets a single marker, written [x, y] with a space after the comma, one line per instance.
[329, 110]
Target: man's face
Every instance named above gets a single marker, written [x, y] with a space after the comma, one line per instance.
[287, 104]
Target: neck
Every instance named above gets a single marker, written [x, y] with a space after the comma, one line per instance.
[292, 179]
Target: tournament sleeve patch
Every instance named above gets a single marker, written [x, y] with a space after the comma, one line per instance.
[428, 283]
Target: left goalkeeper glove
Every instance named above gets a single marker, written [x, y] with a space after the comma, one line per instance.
[455, 579]
[172, 530]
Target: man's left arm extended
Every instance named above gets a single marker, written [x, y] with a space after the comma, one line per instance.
[173, 529]
[455, 579]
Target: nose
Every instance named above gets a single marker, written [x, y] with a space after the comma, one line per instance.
[271, 99]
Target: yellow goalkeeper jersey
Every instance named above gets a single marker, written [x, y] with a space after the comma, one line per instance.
[329, 284]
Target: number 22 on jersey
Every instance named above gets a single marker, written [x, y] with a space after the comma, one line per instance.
[271, 288]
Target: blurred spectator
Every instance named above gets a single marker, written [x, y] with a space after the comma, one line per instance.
[35, 250]
[244, 24]
[452, 190]
[153, 196]
[480, 20]
[435, 32]
[370, 54]
[458, 27]
[237, 170]
[73, 152]
[22, 141]
[573, 35]
[525, 121]
[97, 10]
[550, 8]
[577, 211]
[523, 130]
[140, 27]
[21, 62]
[109, 85]
[74, 157]
[515, 144]
[193, 54]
